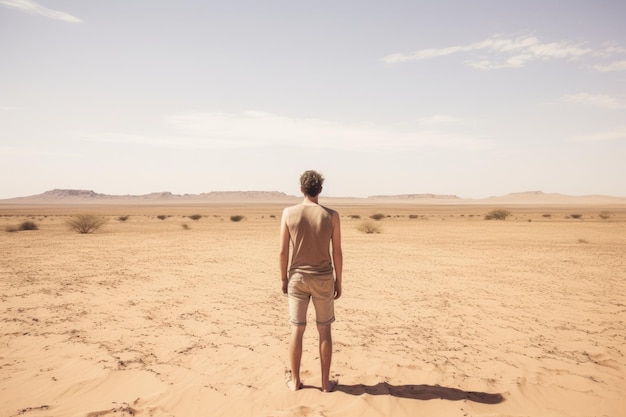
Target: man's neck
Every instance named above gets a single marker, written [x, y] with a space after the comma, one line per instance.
[310, 200]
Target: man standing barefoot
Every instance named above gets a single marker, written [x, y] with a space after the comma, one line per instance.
[315, 236]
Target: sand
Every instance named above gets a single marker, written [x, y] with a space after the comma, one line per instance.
[443, 314]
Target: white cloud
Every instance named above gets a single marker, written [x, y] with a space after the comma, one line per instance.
[501, 52]
[260, 129]
[595, 100]
[616, 134]
[612, 67]
[34, 8]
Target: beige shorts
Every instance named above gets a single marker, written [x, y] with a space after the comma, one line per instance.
[320, 289]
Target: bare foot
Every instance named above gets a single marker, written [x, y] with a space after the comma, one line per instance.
[332, 384]
[291, 384]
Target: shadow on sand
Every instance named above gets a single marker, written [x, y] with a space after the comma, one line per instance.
[421, 392]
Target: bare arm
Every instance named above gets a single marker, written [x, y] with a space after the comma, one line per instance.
[283, 251]
[337, 254]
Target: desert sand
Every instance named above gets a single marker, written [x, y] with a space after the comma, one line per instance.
[443, 313]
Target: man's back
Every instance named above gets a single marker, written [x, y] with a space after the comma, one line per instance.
[310, 228]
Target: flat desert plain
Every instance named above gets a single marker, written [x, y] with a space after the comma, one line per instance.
[443, 313]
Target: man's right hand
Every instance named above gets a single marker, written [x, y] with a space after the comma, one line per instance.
[337, 289]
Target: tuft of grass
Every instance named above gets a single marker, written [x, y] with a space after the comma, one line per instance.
[498, 214]
[368, 227]
[162, 217]
[377, 216]
[576, 216]
[413, 216]
[236, 218]
[355, 216]
[11, 229]
[185, 226]
[582, 241]
[195, 217]
[86, 223]
[547, 215]
[123, 218]
[604, 215]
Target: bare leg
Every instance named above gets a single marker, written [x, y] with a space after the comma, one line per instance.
[326, 353]
[295, 356]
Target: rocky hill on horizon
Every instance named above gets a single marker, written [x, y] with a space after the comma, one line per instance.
[90, 195]
[60, 196]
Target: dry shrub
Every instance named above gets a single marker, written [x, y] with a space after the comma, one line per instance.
[368, 227]
[86, 223]
[499, 214]
[377, 216]
[236, 218]
[604, 215]
[25, 225]
[28, 225]
[576, 216]
[195, 217]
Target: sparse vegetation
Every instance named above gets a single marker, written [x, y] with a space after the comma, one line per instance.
[413, 216]
[498, 214]
[582, 241]
[355, 216]
[604, 215]
[576, 216]
[185, 226]
[368, 227]
[195, 217]
[236, 218]
[122, 218]
[86, 223]
[547, 215]
[377, 216]
[162, 217]
[28, 225]
[25, 225]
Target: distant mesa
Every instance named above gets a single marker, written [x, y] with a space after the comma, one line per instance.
[69, 196]
[61, 195]
[57, 194]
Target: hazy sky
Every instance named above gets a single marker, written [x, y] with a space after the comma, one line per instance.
[473, 98]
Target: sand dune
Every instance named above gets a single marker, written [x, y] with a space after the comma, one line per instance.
[443, 313]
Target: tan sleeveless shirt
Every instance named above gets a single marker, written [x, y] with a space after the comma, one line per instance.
[310, 231]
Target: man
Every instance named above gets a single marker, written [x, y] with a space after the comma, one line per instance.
[312, 230]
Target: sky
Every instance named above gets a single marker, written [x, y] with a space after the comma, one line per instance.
[474, 99]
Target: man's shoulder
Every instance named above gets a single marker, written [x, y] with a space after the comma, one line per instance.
[330, 211]
[291, 208]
